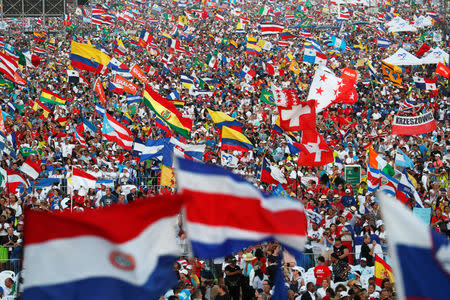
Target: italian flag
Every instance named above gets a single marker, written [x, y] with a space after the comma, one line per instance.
[52, 98]
[264, 11]
[31, 167]
[377, 162]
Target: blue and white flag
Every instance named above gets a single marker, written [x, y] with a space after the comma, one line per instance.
[383, 43]
[420, 255]
[99, 109]
[229, 160]
[88, 125]
[11, 106]
[402, 160]
[152, 149]
[174, 95]
[133, 99]
[336, 42]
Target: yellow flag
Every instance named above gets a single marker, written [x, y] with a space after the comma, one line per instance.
[294, 67]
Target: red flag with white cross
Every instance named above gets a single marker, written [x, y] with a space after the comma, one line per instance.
[314, 150]
[300, 116]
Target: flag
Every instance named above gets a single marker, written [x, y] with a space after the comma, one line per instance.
[235, 140]
[391, 73]
[267, 97]
[336, 42]
[99, 109]
[298, 117]
[31, 167]
[131, 99]
[228, 160]
[425, 84]
[52, 98]
[79, 136]
[377, 162]
[314, 150]
[222, 119]
[247, 73]
[126, 85]
[383, 43]
[292, 143]
[382, 271]
[39, 105]
[82, 179]
[115, 88]
[270, 28]
[152, 149]
[145, 38]
[87, 126]
[253, 49]
[285, 97]
[422, 50]
[114, 131]
[86, 57]
[402, 160]
[161, 124]
[373, 73]
[410, 240]
[313, 56]
[271, 174]
[131, 259]
[326, 88]
[414, 125]
[137, 73]
[75, 77]
[168, 112]
[119, 68]
[264, 10]
[236, 212]
[373, 179]
[98, 88]
[14, 179]
[443, 70]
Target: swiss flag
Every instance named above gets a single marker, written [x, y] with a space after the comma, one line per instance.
[315, 151]
[301, 116]
[443, 70]
[327, 89]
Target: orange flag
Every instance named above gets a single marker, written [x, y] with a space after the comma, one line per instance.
[382, 271]
[349, 74]
[443, 70]
[127, 86]
[98, 88]
[137, 73]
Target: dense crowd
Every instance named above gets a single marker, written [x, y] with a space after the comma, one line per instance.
[345, 226]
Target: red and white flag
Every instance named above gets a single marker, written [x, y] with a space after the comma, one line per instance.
[326, 88]
[31, 167]
[298, 117]
[112, 130]
[39, 50]
[14, 179]
[270, 28]
[82, 179]
[443, 70]
[315, 151]
[219, 17]
[285, 98]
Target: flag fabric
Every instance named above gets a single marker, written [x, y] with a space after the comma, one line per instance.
[75, 77]
[222, 119]
[298, 117]
[326, 88]
[373, 179]
[86, 57]
[247, 73]
[314, 150]
[253, 49]
[422, 50]
[14, 179]
[168, 112]
[161, 124]
[414, 125]
[313, 56]
[271, 174]
[131, 259]
[137, 73]
[383, 43]
[79, 136]
[425, 84]
[112, 130]
[98, 88]
[411, 240]
[228, 160]
[152, 149]
[382, 271]
[31, 167]
[292, 143]
[285, 97]
[391, 73]
[229, 213]
[82, 179]
[125, 85]
[402, 160]
[99, 109]
[377, 162]
[39, 105]
[270, 28]
[235, 140]
[267, 97]
[443, 70]
[395, 188]
[51, 97]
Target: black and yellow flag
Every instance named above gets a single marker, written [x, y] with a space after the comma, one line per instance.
[392, 73]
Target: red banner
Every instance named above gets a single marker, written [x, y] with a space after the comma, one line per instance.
[127, 86]
[98, 88]
[137, 73]
[407, 125]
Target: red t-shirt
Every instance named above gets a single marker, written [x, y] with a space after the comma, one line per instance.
[321, 272]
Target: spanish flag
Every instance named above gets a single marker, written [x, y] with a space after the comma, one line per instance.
[391, 73]
[168, 112]
[86, 57]
[382, 271]
[52, 98]
[235, 140]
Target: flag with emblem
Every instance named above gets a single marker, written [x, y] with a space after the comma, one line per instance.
[267, 97]
[391, 73]
[298, 117]
[52, 98]
[113, 130]
[314, 150]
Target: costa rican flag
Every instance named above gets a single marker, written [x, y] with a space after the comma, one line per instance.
[39, 50]
[269, 28]
[131, 259]
[225, 213]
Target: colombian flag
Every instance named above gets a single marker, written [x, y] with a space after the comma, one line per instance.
[382, 271]
[222, 119]
[52, 98]
[235, 140]
[168, 112]
[86, 57]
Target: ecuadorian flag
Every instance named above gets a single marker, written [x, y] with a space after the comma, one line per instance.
[86, 57]
[168, 112]
[221, 119]
[235, 140]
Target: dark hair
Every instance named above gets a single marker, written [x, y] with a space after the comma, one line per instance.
[173, 297]
[321, 259]
[331, 292]
[259, 253]
[224, 288]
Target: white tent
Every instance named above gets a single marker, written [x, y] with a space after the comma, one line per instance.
[403, 58]
[423, 21]
[399, 25]
[436, 56]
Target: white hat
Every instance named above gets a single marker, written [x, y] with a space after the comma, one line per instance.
[184, 271]
[379, 223]
[347, 191]
[297, 268]
[363, 259]
[365, 224]
[343, 294]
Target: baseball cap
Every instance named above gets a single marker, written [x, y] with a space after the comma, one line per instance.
[343, 294]
[347, 190]
[363, 259]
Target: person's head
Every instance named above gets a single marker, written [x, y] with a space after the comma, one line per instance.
[367, 239]
[384, 295]
[385, 284]
[223, 289]
[266, 286]
[334, 257]
[9, 282]
[310, 287]
[321, 260]
[197, 294]
[338, 242]
[183, 274]
[325, 283]
[330, 293]
[371, 289]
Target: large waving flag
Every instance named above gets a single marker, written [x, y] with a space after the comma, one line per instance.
[382, 271]
[86, 57]
[152, 149]
[131, 259]
[168, 112]
[420, 255]
[114, 131]
[82, 179]
[222, 119]
[235, 140]
[225, 213]
[402, 160]
[14, 179]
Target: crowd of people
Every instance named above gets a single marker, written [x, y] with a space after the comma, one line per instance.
[207, 42]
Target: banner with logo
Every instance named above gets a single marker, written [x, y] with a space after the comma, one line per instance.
[407, 125]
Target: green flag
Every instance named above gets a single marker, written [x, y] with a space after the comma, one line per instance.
[5, 83]
[267, 97]
[299, 14]
[27, 151]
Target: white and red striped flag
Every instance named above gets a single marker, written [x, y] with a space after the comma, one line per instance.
[31, 167]
[82, 179]
[14, 180]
